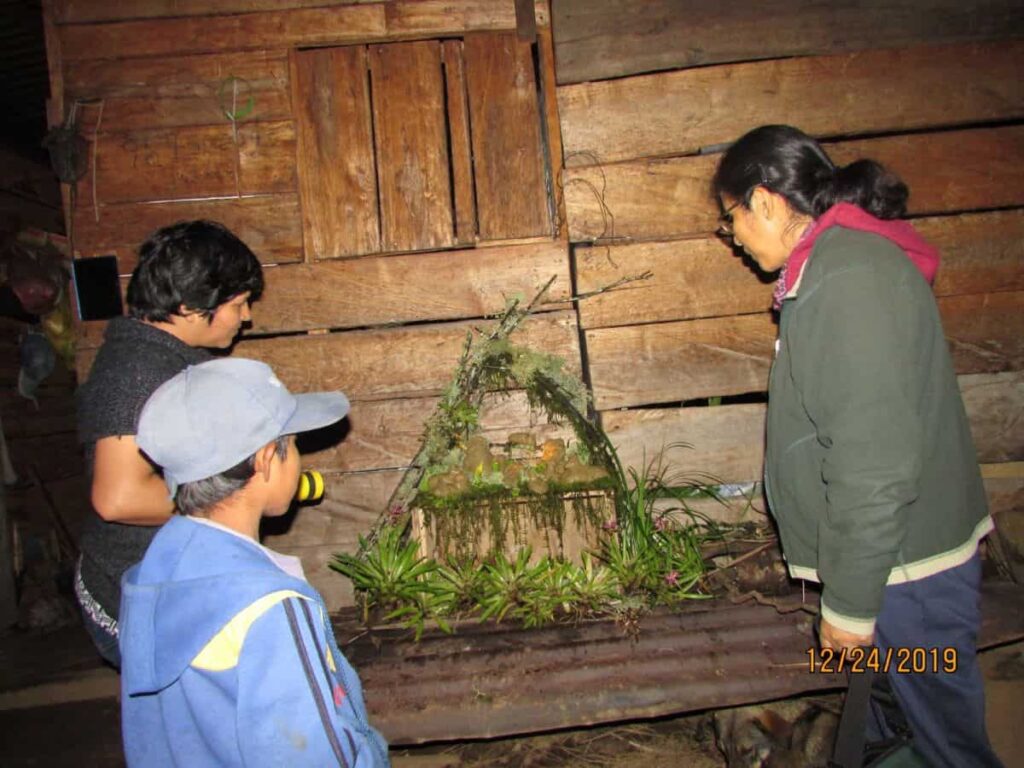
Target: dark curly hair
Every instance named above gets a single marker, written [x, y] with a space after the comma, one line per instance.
[198, 264]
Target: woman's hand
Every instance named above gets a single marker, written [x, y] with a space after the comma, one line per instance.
[831, 636]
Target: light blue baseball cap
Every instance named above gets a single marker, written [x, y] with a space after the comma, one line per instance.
[212, 416]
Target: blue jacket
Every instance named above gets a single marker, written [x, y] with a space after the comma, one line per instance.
[229, 661]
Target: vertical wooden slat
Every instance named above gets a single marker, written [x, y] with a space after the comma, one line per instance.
[553, 132]
[337, 179]
[412, 156]
[505, 120]
[458, 137]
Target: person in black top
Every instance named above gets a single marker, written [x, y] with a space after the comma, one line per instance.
[190, 292]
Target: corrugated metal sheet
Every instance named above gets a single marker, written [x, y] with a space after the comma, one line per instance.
[492, 680]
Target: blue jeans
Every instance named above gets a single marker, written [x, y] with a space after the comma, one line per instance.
[945, 710]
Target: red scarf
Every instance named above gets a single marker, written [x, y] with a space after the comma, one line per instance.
[924, 255]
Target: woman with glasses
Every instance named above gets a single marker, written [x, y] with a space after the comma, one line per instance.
[870, 471]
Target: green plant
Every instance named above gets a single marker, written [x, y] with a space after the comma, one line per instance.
[650, 552]
[392, 577]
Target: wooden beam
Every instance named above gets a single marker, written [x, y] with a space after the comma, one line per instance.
[293, 28]
[505, 120]
[459, 148]
[336, 166]
[412, 146]
[395, 289]
[726, 442]
[994, 403]
[81, 11]
[677, 361]
[271, 225]
[649, 199]
[985, 331]
[703, 277]
[414, 361]
[669, 362]
[193, 162]
[172, 91]
[675, 113]
[435, 18]
[723, 444]
[598, 39]
[157, 28]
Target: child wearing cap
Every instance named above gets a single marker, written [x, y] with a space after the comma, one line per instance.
[228, 658]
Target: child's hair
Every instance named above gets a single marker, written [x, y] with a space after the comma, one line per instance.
[787, 161]
[200, 496]
[198, 264]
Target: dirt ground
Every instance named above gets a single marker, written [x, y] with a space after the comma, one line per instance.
[87, 733]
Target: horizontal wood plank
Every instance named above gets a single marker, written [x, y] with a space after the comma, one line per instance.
[703, 277]
[599, 39]
[182, 90]
[1005, 494]
[192, 162]
[677, 361]
[270, 225]
[723, 444]
[386, 434]
[443, 17]
[679, 112]
[426, 286]
[985, 331]
[79, 11]
[670, 362]
[726, 442]
[412, 361]
[994, 403]
[650, 199]
[335, 25]
[190, 27]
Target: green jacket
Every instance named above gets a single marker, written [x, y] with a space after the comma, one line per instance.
[870, 469]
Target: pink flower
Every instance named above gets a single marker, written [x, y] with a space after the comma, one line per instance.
[610, 525]
[660, 524]
[394, 513]
[672, 578]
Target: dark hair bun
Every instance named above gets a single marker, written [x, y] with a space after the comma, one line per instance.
[869, 185]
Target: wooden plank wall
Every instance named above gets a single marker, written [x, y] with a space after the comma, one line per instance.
[648, 94]
[380, 254]
[377, 267]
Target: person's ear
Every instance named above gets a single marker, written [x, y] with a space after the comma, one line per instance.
[187, 314]
[762, 202]
[264, 460]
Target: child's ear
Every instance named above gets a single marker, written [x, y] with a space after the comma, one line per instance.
[264, 459]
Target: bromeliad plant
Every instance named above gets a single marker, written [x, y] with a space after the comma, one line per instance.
[649, 555]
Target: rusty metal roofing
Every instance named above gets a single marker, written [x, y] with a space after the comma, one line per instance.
[490, 680]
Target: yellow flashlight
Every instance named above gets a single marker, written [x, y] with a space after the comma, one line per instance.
[311, 487]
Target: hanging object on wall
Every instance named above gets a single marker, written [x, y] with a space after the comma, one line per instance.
[236, 102]
[69, 155]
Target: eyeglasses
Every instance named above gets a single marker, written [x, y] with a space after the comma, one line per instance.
[725, 220]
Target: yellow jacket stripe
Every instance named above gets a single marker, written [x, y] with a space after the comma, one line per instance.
[224, 648]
